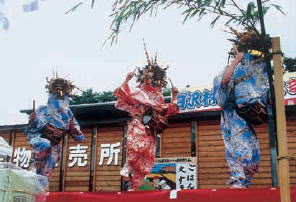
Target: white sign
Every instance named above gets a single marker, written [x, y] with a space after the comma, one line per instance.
[22, 157]
[190, 160]
[109, 151]
[78, 155]
[203, 98]
[186, 176]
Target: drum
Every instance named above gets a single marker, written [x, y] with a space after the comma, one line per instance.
[254, 114]
[52, 133]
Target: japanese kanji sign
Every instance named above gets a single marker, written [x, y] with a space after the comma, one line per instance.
[186, 176]
[111, 152]
[172, 173]
[22, 157]
[78, 155]
[203, 98]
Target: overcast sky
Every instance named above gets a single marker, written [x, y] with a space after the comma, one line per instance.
[40, 41]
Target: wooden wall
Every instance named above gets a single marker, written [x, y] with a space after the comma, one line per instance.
[6, 135]
[77, 177]
[212, 168]
[54, 184]
[291, 132]
[107, 178]
[176, 140]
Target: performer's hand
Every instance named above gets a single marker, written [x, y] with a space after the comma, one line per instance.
[71, 124]
[238, 55]
[175, 91]
[129, 76]
[32, 116]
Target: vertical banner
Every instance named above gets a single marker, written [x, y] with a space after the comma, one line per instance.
[186, 176]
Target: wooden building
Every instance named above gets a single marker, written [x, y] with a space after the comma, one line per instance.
[83, 166]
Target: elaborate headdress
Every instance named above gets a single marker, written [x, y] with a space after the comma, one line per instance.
[248, 41]
[152, 73]
[59, 86]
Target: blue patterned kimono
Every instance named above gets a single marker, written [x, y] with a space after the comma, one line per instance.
[57, 113]
[249, 84]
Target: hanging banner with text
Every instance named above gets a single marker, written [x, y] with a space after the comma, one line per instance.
[203, 99]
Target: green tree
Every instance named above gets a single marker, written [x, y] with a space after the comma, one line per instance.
[289, 64]
[89, 96]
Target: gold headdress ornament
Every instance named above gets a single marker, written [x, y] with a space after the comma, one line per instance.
[59, 86]
[152, 73]
[248, 41]
[146, 53]
[155, 59]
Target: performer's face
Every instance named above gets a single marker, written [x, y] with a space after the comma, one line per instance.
[59, 102]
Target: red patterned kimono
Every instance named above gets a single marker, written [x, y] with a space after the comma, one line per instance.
[149, 114]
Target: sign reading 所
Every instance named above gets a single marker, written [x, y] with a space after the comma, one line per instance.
[110, 151]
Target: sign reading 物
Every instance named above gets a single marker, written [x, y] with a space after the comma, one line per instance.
[22, 157]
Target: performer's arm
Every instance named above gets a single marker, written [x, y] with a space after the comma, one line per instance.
[75, 131]
[229, 71]
[123, 92]
[173, 107]
[36, 122]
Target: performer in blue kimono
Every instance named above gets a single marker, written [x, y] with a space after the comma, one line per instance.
[242, 93]
[49, 124]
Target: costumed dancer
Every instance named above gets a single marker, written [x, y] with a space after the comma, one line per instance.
[49, 124]
[242, 91]
[149, 115]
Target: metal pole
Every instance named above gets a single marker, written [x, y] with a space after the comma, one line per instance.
[272, 111]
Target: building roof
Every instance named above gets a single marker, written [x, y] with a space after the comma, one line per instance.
[107, 114]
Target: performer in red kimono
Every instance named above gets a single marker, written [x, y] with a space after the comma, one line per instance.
[149, 115]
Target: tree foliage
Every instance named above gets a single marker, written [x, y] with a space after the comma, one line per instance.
[89, 96]
[290, 64]
[235, 12]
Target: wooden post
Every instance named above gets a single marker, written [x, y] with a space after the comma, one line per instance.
[284, 177]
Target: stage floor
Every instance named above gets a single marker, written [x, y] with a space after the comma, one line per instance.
[197, 195]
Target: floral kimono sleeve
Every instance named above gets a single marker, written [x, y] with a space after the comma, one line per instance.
[171, 108]
[125, 100]
[222, 92]
[76, 134]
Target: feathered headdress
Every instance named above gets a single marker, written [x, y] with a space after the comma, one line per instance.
[152, 73]
[59, 86]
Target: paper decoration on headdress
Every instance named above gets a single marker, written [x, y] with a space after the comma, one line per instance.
[248, 41]
[59, 86]
[152, 73]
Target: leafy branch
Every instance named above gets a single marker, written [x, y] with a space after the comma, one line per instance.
[247, 15]
[241, 14]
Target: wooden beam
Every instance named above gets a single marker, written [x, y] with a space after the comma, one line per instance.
[284, 177]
